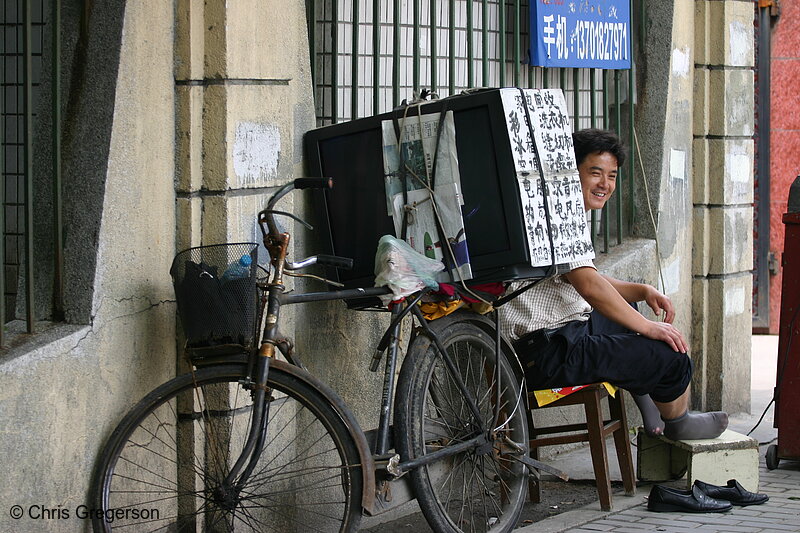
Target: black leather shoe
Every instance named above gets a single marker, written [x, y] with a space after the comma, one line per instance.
[665, 499]
[733, 492]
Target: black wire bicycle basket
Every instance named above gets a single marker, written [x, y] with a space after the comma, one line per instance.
[215, 287]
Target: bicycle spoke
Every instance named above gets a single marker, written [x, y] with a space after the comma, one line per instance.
[175, 454]
[476, 490]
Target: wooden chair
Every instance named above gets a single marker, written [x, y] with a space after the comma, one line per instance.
[594, 431]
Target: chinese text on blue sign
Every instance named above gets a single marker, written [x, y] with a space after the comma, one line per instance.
[581, 33]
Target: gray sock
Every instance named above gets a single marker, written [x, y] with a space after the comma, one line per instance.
[651, 418]
[696, 426]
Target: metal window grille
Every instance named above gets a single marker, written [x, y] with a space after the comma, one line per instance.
[369, 55]
[23, 24]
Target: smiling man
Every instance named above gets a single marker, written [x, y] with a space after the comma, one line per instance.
[579, 326]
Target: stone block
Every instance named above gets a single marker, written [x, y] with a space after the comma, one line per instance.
[700, 111]
[260, 37]
[730, 28]
[727, 350]
[731, 107]
[260, 132]
[701, 33]
[699, 342]
[189, 138]
[214, 139]
[189, 39]
[234, 217]
[729, 456]
[189, 216]
[730, 166]
[247, 136]
[215, 40]
[700, 171]
[701, 256]
[730, 240]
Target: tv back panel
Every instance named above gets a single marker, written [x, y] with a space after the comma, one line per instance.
[353, 215]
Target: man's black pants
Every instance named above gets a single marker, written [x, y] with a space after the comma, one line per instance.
[601, 350]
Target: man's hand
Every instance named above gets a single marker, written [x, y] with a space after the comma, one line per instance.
[610, 297]
[659, 302]
[663, 331]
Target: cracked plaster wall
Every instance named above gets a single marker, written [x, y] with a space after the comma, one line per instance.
[62, 393]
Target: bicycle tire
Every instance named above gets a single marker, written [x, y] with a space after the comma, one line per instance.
[161, 467]
[479, 490]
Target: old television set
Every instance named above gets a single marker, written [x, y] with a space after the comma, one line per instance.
[353, 215]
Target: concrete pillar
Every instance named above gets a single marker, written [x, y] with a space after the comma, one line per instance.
[243, 101]
[722, 203]
[243, 87]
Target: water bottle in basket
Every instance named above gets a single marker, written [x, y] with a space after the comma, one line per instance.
[238, 269]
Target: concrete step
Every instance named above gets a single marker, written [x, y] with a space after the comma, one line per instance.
[729, 456]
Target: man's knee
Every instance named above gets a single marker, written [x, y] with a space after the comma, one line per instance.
[676, 379]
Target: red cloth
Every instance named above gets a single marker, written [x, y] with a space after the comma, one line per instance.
[495, 289]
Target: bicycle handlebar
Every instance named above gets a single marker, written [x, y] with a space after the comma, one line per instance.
[335, 261]
[313, 183]
[267, 216]
[300, 183]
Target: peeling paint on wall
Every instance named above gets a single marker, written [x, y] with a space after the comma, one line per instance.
[740, 44]
[738, 167]
[680, 62]
[672, 277]
[677, 164]
[256, 150]
[734, 301]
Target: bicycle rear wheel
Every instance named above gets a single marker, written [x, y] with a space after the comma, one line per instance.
[481, 489]
[162, 467]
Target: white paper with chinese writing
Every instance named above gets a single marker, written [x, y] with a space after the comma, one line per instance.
[547, 114]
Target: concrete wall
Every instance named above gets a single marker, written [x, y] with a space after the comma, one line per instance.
[62, 391]
[695, 123]
[722, 197]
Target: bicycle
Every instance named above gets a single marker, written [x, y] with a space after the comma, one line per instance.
[247, 442]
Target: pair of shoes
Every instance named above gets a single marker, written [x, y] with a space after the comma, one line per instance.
[733, 492]
[666, 499]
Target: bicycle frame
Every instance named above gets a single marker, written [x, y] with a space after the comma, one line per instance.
[273, 298]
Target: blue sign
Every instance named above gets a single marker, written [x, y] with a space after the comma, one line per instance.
[581, 33]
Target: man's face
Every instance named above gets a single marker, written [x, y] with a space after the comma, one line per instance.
[598, 174]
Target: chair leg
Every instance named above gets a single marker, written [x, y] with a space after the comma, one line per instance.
[597, 445]
[622, 442]
[535, 481]
[534, 478]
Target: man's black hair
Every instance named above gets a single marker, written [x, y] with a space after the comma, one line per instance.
[591, 141]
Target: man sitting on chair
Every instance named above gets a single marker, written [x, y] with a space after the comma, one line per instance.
[579, 326]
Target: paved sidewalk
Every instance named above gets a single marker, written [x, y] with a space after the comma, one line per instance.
[780, 514]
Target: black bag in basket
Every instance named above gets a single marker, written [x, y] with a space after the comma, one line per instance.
[214, 312]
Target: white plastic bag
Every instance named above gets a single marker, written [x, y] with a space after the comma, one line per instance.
[403, 269]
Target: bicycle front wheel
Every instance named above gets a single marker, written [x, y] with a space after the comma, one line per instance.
[483, 488]
[163, 467]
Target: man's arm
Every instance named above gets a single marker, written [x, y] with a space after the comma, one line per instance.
[605, 298]
[641, 292]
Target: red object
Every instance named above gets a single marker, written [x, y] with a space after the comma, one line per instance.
[787, 382]
[490, 289]
[784, 136]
